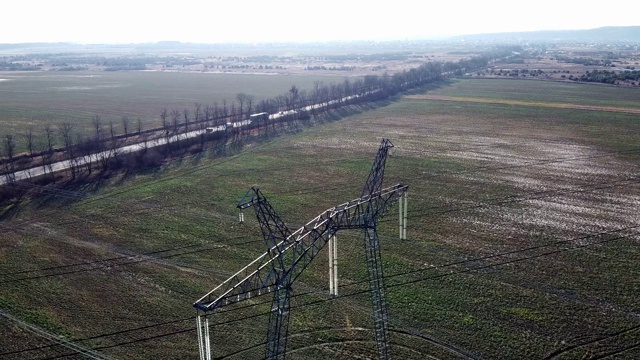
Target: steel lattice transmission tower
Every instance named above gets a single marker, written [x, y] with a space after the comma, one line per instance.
[289, 253]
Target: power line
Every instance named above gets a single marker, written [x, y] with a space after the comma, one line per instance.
[361, 292]
[496, 202]
[75, 195]
[413, 281]
[535, 195]
[480, 267]
[474, 170]
[102, 263]
[407, 282]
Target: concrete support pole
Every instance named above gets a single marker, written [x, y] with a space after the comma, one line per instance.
[204, 341]
[333, 265]
[404, 222]
[402, 216]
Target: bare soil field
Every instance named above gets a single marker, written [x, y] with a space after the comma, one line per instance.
[523, 237]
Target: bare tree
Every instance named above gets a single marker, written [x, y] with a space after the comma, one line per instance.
[347, 87]
[9, 150]
[232, 111]
[47, 153]
[45, 158]
[85, 146]
[263, 106]
[249, 103]
[112, 130]
[98, 134]
[294, 93]
[208, 114]
[163, 116]
[242, 99]
[334, 94]
[67, 138]
[125, 125]
[282, 103]
[225, 112]
[114, 141]
[139, 126]
[28, 136]
[185, 113]
[216, 113]
[48, 132]
[196, 112]
[175, 115]
[97, 126]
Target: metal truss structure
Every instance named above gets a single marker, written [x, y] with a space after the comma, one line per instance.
[289, 253]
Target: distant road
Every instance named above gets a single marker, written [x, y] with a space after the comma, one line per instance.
[97, 157]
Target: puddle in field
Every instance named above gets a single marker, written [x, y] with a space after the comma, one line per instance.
[564, 190]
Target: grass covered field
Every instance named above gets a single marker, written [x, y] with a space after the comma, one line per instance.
[575, 93]
[34, 99]
[523, 238]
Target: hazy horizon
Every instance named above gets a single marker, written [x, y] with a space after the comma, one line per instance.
[194, 21]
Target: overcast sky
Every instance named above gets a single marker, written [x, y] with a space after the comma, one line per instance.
[133, 21]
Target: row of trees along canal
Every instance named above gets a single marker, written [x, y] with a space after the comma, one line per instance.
[297, 106]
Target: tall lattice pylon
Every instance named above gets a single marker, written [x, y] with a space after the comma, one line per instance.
[270, 273]
[372, 250]
[275, 233]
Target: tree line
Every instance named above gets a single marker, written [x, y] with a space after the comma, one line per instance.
[296, 105]
[610, 77]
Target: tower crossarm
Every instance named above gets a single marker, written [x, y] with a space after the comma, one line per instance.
[362, 212]
[265, 273]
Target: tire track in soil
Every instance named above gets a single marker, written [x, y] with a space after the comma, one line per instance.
[556, 354]
[452, 350]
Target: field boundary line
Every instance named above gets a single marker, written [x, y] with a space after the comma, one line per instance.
[525, 103]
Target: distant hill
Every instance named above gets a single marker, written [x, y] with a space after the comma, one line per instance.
[609, 34]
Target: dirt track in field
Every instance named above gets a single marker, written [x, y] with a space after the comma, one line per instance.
[526, 103]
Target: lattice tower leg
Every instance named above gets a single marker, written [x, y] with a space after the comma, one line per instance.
[278, 324]
[376, 283]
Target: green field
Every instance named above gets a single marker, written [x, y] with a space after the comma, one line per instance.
[581, 94]
[523, 238]
[34, 99]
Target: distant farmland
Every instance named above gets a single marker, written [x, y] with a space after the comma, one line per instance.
[33, 99]
[522, 243]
